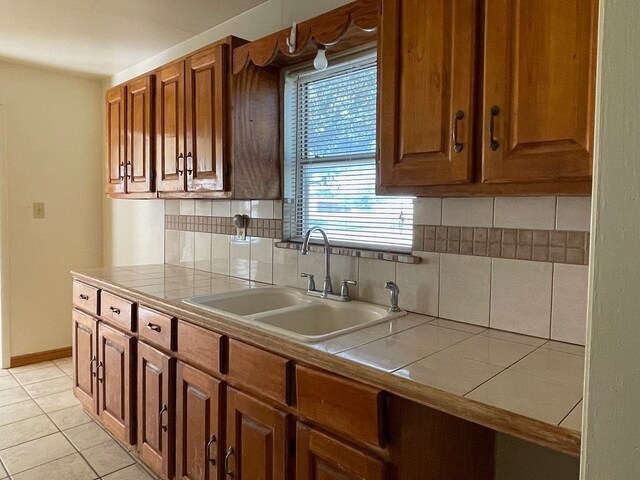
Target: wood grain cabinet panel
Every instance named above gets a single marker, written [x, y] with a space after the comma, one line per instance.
[140, 142]
[156, 422]
[201, 347]
[115, 141]
[207, 99]
[86, 297]
[539, 81]
[157, 328]
[116, 380]
[199, 424]
[170, 129]
[85, 360]
[257, 439]
[118, 311]
[426, 78]
[320, 457]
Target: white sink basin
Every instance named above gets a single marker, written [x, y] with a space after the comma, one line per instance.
[294, 314]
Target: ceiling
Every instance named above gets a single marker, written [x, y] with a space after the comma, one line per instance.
[104, 37]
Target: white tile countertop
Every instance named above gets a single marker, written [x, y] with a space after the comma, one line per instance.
[526, 386]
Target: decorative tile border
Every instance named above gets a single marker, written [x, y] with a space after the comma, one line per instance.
[256, 227]
[352, 252]
[557, 246]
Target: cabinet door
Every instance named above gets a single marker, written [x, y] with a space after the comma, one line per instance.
[115, 382]
[116, 140]
[199, 404]
[85, 359]
[538, 90]
[207, 116]
[155, 409]
[426, 81]
[257, 439]
[320, 457]
[170, 159]
[139, 163]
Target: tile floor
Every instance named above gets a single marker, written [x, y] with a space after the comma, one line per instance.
[45, 434]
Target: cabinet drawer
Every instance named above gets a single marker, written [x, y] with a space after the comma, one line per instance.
[340, 404]
[86, 297]
[200, 347]
[263, 372]
[157, 328]
[117, 310]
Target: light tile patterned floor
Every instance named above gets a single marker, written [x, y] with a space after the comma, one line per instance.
[45, 434]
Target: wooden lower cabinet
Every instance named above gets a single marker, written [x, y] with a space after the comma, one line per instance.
[320, 457]
[116, 378]
[85, 359]
[258, 438]
[156, 421]
[199, 424]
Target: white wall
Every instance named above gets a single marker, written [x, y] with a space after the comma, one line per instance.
[612, 438]
[54, 155]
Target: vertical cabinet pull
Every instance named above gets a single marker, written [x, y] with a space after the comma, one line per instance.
[163, 410]
[211, 441]
[457, 146]
[227, 461]
[100, 365]
[94, 373]
[180, 162]
[121, 171]
[189, 163]
[493, 143]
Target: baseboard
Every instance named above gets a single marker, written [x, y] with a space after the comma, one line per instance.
[37, 357]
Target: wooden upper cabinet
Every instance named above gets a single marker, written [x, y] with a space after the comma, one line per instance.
[539, 80]
[426, 82]
[115, 141]
[257, 439]
[170, 131]
[207, 99]
[139, 160]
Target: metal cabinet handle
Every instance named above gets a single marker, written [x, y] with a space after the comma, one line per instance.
[227, 457]
[154, 327]
[189, 163]
[94, 373]
[84, 297]
[163, 410]
[120, 171]
[115, 310]
[211, 441]
[128, 170]
[457, 146]
[180, 170]
[493, 143]
[100, 379]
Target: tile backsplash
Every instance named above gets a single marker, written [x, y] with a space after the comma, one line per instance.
[544, 294]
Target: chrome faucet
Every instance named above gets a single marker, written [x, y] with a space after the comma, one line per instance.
[327, 288]
[395, 290]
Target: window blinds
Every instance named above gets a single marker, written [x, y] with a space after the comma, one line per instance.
[330, 159]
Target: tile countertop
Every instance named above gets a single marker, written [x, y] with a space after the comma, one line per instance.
[524, 386]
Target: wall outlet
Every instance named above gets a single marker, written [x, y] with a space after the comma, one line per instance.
[38, 210]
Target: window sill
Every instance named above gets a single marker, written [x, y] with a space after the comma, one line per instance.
[353, 252]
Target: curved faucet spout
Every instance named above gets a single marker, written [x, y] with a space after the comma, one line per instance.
[327, 287]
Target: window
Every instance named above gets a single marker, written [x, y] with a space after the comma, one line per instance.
[330, 159]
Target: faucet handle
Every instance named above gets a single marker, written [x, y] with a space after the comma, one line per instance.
[311, 286]
[344, 291]
[395, 290]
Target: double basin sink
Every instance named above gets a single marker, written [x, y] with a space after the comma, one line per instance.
[294, 314]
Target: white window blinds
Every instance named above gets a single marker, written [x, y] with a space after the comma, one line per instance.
[330, 159]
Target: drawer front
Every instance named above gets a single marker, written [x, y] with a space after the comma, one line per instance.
[86, 297]
[202, 348]
[340, 404]
[157, 328]
[117, 310]
[265, 373]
